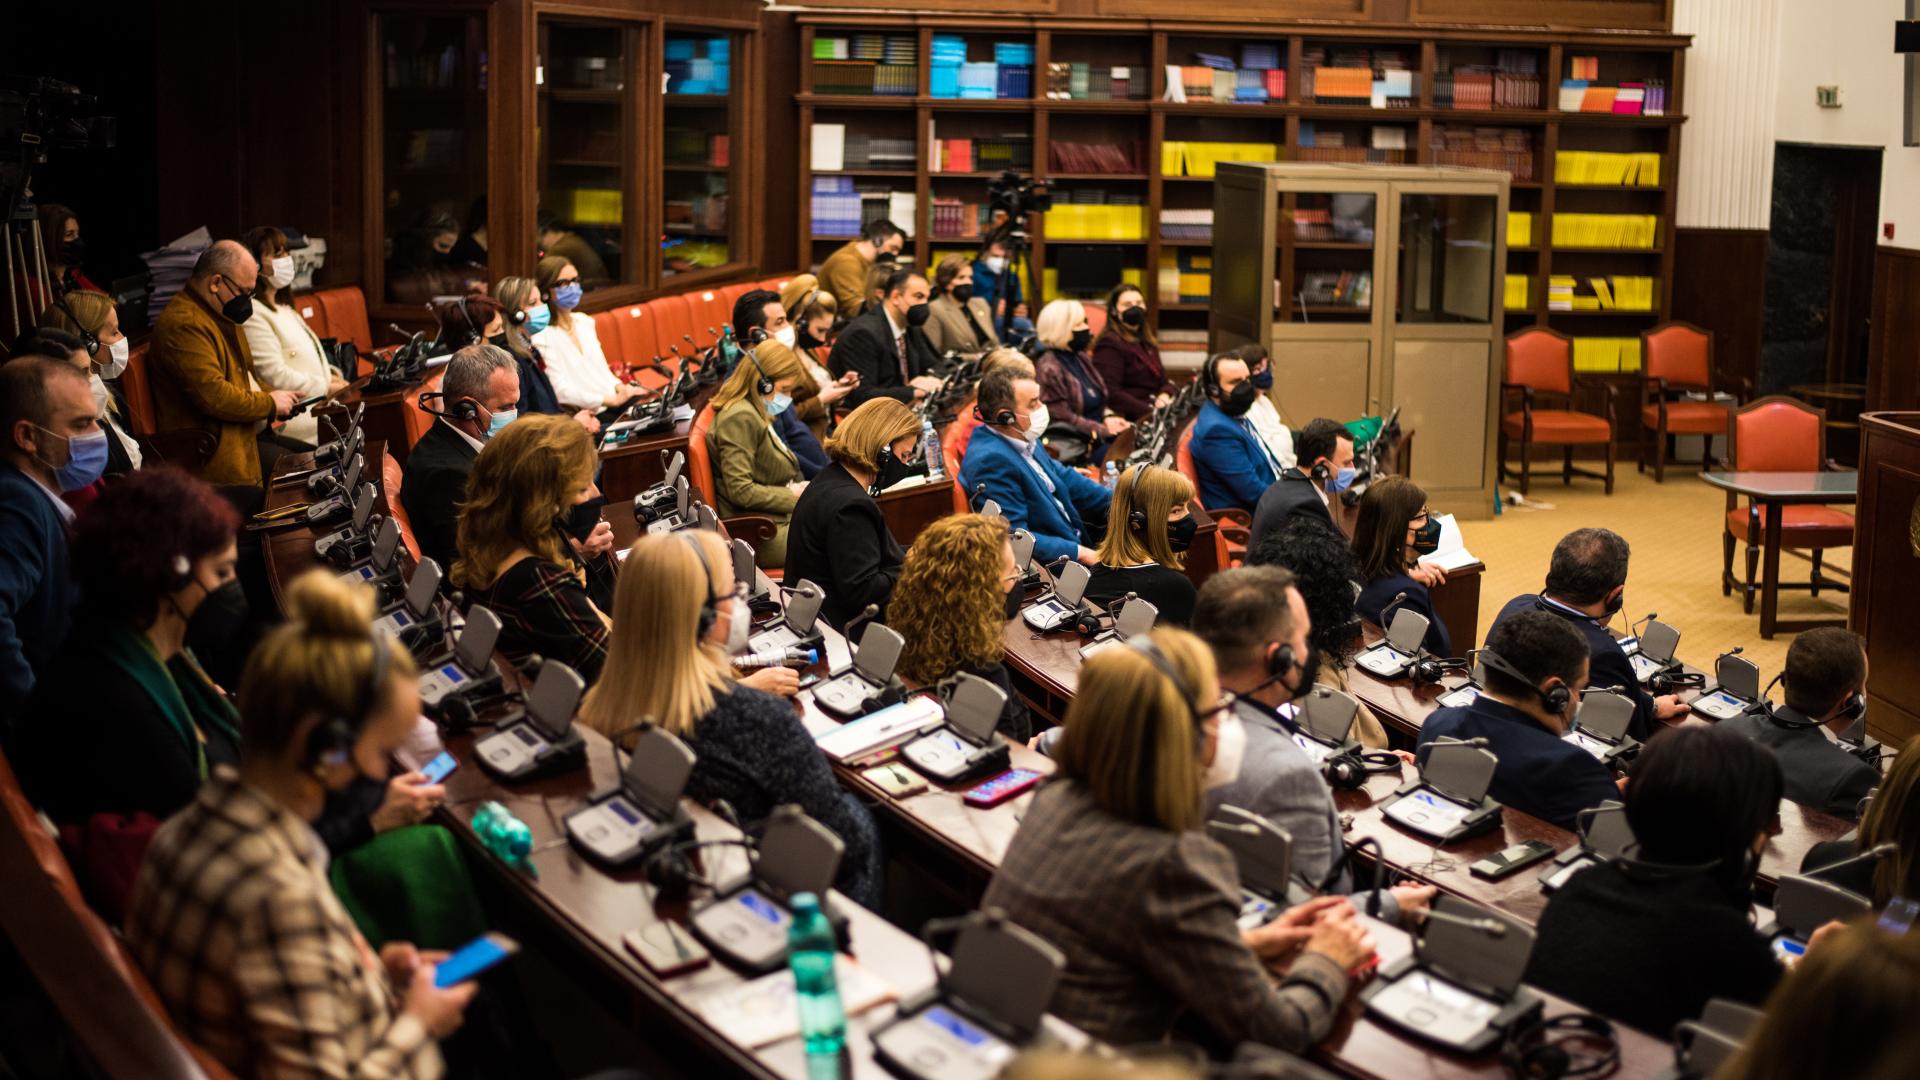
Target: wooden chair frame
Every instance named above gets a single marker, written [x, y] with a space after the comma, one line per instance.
[1656, 393]
[1527, 395]
[1755, 524]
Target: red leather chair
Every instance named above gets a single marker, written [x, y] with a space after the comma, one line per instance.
[1235, 525]
[189, 448]
[1678, 357]
[1780, 434]
[709, 312]
[672, 324]
[1540, 364]
[1096, 316]
[392, 478]
[137, 385]
[416, 420]
[755, 529]
[339, 313]
[610, 329]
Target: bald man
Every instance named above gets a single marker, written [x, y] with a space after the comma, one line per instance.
[201, 370]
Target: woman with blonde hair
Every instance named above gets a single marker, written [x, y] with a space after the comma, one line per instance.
[1113, 866]
[754, 470]
[1893, 817]
[838, 538]
[86, 313]
[582, 379]
[1149, 528]
[951, 606]
[514, 313]
[1070, 386]
[1846, 1009]
[678, 614]
[514, 555]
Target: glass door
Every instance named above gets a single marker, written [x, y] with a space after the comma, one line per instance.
[586, 150]
[433, 154]
[1328, 263]
[699, 230]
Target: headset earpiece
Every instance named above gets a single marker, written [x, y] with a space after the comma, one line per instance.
[331, 742]
[517, 317]
[1136, 517]
[1087, 624]
[182, 572]
[1533, 1052]
[466, 409]
[1281, 662]
[1554, 699]
[765, 385]
[1320, 471]
[88, 339]
[709, 610]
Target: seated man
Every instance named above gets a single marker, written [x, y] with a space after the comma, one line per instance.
[1324, 449]
[1230, 461]
[887, 346]
[844, 274]
[53, 443]
[1059, 506]
[1826, 672]
[1249, 616]
[1586, 583]
[1533, 662]
[482, 388]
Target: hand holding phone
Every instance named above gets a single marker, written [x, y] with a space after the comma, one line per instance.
[473, 958]
[439, 768]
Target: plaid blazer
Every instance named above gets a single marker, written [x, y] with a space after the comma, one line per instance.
[233, 920]
[1146, 918]
[545, 609]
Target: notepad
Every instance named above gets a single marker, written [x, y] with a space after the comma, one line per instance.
[766, 1010]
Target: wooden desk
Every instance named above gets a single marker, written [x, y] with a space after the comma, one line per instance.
[1456, 601]
[1774, 492]
[634, 466]
[393, 417]
[910, 510]
[289, 551]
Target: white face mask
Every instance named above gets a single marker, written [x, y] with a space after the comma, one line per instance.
[99, 395]
[117, 354]
[996, 263]
[280, 271]
[785, 335]
[739, 627]
[1037, 424]
[1229, 749]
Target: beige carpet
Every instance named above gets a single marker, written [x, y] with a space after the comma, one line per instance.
[1674, 529]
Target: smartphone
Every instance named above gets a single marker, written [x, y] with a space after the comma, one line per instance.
[1898, 916]
[809, 679]
[1001, 788]
[1512, 860]
[1788, 951]
[666, 949]
[439, 768]
[302, 406]
[473, 958]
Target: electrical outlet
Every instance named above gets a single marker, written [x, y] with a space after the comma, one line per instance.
[1827, 97]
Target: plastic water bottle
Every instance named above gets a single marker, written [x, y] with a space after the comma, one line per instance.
[1113, 475]
[930, 444]
[765, 658]
[810, 952]
[505, 835]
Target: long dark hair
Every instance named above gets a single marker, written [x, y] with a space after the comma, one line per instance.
[1380, 531]
[1323, 571]
[1120, 329]
[258, 241]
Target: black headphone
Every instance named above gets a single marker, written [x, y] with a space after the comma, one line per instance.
[1349, 771]
[182, 573]
[1534, 1053]
[88, 338]
[1555, 700]
[765, 385]
[1320, 471]
[331, 740]
[1856, 705]
[709, 610]
[1002, 418]
[1210, 376]
[1672, 682]
[1429, 670]
[1136, 517]
[464, 409]
[1145, 646]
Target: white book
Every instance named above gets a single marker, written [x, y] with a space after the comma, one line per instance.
[829, 147]
[1452, 554]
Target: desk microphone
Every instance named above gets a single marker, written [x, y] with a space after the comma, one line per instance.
[867, 615]
[1398, 599]
[1615, 689]
[979, 496]
[1872, 854]
[1634, 628]
[1489, 927]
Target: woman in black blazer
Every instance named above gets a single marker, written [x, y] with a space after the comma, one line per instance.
[1893, 817]
[1393, 529]
[838, 538]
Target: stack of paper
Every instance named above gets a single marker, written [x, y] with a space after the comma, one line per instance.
[1452, 554]
[170, 266]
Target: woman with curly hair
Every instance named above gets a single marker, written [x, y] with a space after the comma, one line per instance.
[951, 606]
[1325, 573]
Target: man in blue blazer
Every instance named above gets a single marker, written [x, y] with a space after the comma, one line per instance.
[52, 443]
[1537, 662]
[1232, 464]
[1586, 586]
[1065, 511]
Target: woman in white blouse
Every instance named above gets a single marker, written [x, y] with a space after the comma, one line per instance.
[286, 354]
[571, 347]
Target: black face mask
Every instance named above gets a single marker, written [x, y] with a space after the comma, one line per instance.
[1015, 596]
[889, 470]
[1180, 533]
[962, 293]
[917, 314]
[1239, 399]
[1080, 340]
[1309, 669]
[1426, 539]
[216, 629]
[237, 308]
[1134, 317]
[886, 258]
[75, 250]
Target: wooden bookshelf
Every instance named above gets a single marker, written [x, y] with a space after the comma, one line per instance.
[1625, 55]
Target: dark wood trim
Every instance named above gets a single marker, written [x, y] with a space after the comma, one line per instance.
[1718, 283]
[1893, 353]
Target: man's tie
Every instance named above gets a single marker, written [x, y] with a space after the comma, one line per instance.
[900, 344]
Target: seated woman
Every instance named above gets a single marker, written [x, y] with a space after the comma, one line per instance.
[1113, 867]
[1649, 940]
[84, 312]
[518, 314]
[754, 471]
[838, 538]
[951, 606]
[514, 554]
[1149, 528]
[1893, 817]
[1325, 574]
[233, 919]
[1393, 529]
[286, 354]
[571, 345]
[1127, 356]
[1070, 386]
[678, 615]
[957, 321]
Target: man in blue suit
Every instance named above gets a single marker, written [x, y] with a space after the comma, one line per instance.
[53, 443]
[1065, 511]
[1586, 586]
[1232, 464]
[1533, 663]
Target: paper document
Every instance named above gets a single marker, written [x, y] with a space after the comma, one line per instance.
[764, 1011]
[1452, 553]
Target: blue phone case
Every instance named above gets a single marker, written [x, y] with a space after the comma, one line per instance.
[439, 768]
[471, 959]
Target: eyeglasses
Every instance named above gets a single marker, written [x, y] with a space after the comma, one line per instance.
[1227, 698]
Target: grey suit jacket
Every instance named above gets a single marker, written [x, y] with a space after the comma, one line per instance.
[948, 330]
[1818, 773]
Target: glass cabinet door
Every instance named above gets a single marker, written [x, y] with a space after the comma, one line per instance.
[1446, 258]
[697, 156]
[586, 150]
[433, 154]
[1324, 265]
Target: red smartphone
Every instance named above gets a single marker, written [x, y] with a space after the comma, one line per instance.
[1001, 788]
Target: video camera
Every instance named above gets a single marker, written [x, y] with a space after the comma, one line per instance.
[1017, 196]
[38, 114]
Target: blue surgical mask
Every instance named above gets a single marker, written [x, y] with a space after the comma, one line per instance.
[1264, 380]
[501, 418]
[86, 459]
[1341, 480]
[537, 318]
[778, 404]
[567, 297]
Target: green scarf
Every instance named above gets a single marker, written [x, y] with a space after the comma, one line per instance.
[186, 697]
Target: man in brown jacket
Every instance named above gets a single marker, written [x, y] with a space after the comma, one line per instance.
[202, 371]
[844, 274]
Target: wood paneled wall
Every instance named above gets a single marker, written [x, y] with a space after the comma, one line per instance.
[1720, 284]
[1893, 356]
[1605, 14]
